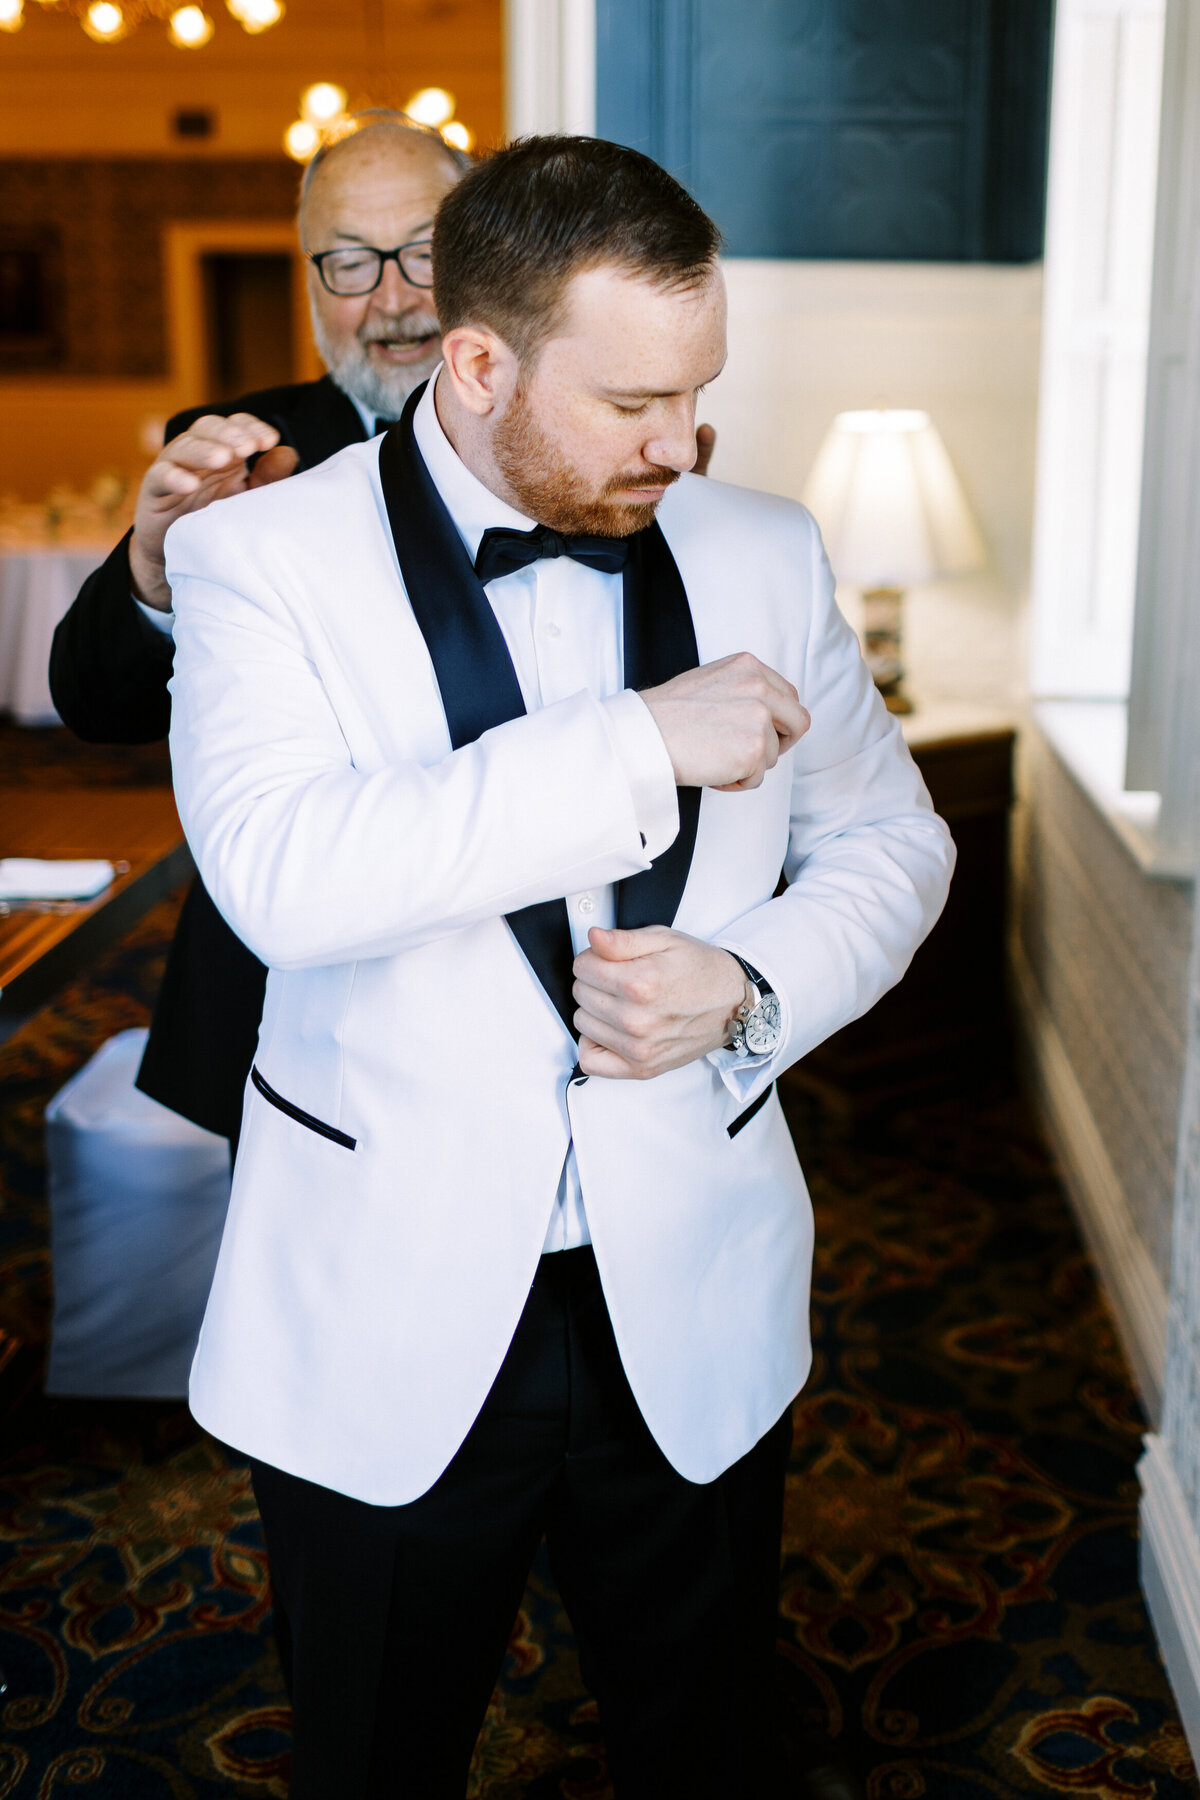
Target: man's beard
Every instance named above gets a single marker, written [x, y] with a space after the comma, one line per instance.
[382, 391]
[559, 497]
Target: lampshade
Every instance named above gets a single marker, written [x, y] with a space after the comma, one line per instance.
[888, 502]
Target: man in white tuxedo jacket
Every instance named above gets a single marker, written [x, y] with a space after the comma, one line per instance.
[491, 739]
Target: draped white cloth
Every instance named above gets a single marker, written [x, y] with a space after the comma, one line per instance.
[137, 1204]
[37, 585]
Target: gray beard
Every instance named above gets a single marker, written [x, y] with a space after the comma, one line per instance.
[381, 391]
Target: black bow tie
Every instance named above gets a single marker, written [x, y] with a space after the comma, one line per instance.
[382, 425]
[503, 552]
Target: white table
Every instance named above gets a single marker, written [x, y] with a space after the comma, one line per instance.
[37, 584]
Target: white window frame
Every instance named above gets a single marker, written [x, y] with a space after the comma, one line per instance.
[1116, 643]
[1164, 698]
[550, 67]
[1104, 127]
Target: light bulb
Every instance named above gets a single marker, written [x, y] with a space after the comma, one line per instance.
[12, 15]
[431, 106]
[322, 103]
[104, 21]
[300, 140]
[190, 28]
[256, 15]
[456, 133]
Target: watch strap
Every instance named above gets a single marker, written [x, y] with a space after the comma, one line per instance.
[752, 974]
[760, 989]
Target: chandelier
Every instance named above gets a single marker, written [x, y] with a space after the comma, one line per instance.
[323, 113]
[108, 21]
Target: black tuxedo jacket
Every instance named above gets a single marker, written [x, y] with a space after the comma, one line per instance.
[109, 670]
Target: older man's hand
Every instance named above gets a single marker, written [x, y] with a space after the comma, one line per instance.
[204, 463]
[652, 1000]
[706, 443]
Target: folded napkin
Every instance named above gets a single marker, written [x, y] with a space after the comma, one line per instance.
[33, 878]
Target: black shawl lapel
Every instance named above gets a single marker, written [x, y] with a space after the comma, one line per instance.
[475, 675]
[479, 686]
[660, 643]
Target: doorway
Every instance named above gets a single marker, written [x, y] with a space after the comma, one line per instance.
[249, 324]
[238, 309]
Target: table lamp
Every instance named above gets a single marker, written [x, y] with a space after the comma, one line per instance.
[892, 513]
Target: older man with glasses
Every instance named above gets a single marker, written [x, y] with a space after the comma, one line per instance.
[367, 206]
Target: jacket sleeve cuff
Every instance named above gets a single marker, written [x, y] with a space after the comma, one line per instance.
[643, 755]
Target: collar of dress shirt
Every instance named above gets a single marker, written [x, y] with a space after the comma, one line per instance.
[473, 507]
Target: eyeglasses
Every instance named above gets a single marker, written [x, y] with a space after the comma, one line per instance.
[360, 270]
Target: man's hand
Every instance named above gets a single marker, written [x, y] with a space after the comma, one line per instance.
[727, 723]
[652, 1000]
[203, 464]
[706, 443]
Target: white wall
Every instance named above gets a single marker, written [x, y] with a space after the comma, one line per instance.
[808, 340]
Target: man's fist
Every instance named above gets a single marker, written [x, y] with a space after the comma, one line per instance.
[203, 464]
[727, 723]
[652, 1000]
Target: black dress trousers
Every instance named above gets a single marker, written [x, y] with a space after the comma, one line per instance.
[397, 1617]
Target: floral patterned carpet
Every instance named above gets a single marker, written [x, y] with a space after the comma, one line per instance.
[960, 1606]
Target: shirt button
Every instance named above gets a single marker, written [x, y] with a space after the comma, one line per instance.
[586, 903]
[553, 630]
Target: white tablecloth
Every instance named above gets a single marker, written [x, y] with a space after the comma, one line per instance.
[37, 585]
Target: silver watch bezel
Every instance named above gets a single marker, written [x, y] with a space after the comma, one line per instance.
[763, 1026]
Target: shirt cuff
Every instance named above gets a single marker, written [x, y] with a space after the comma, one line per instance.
[738, 1072]
[161, 621]
[647, 768]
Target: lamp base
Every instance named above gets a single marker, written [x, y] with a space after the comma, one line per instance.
[883, 629]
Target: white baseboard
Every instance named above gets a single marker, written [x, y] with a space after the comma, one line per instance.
[1170, 1567]
[1131, 1282]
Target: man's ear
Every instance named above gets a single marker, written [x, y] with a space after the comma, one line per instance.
[481, 369]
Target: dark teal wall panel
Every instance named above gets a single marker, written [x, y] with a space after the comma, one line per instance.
[910, 129]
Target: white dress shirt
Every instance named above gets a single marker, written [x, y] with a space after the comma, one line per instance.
[563, 624]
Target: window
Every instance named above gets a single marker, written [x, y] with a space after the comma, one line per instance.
[1116, 639]
[1099, 252]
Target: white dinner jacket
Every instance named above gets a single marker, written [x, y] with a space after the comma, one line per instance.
[412, 1102]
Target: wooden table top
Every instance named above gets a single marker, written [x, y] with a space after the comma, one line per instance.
[134, 827]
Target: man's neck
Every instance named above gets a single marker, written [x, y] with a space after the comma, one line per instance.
[471, 442]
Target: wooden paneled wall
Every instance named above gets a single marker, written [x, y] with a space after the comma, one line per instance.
[87, 148]
[62, 95]
[110, 220]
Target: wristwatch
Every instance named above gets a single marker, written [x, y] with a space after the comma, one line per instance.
[757, 1026]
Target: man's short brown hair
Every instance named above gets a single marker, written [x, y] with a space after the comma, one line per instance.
[516, 229]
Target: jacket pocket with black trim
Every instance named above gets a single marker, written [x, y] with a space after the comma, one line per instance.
[301, 1117]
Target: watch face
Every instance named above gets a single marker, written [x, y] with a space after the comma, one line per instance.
[764, 1027]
